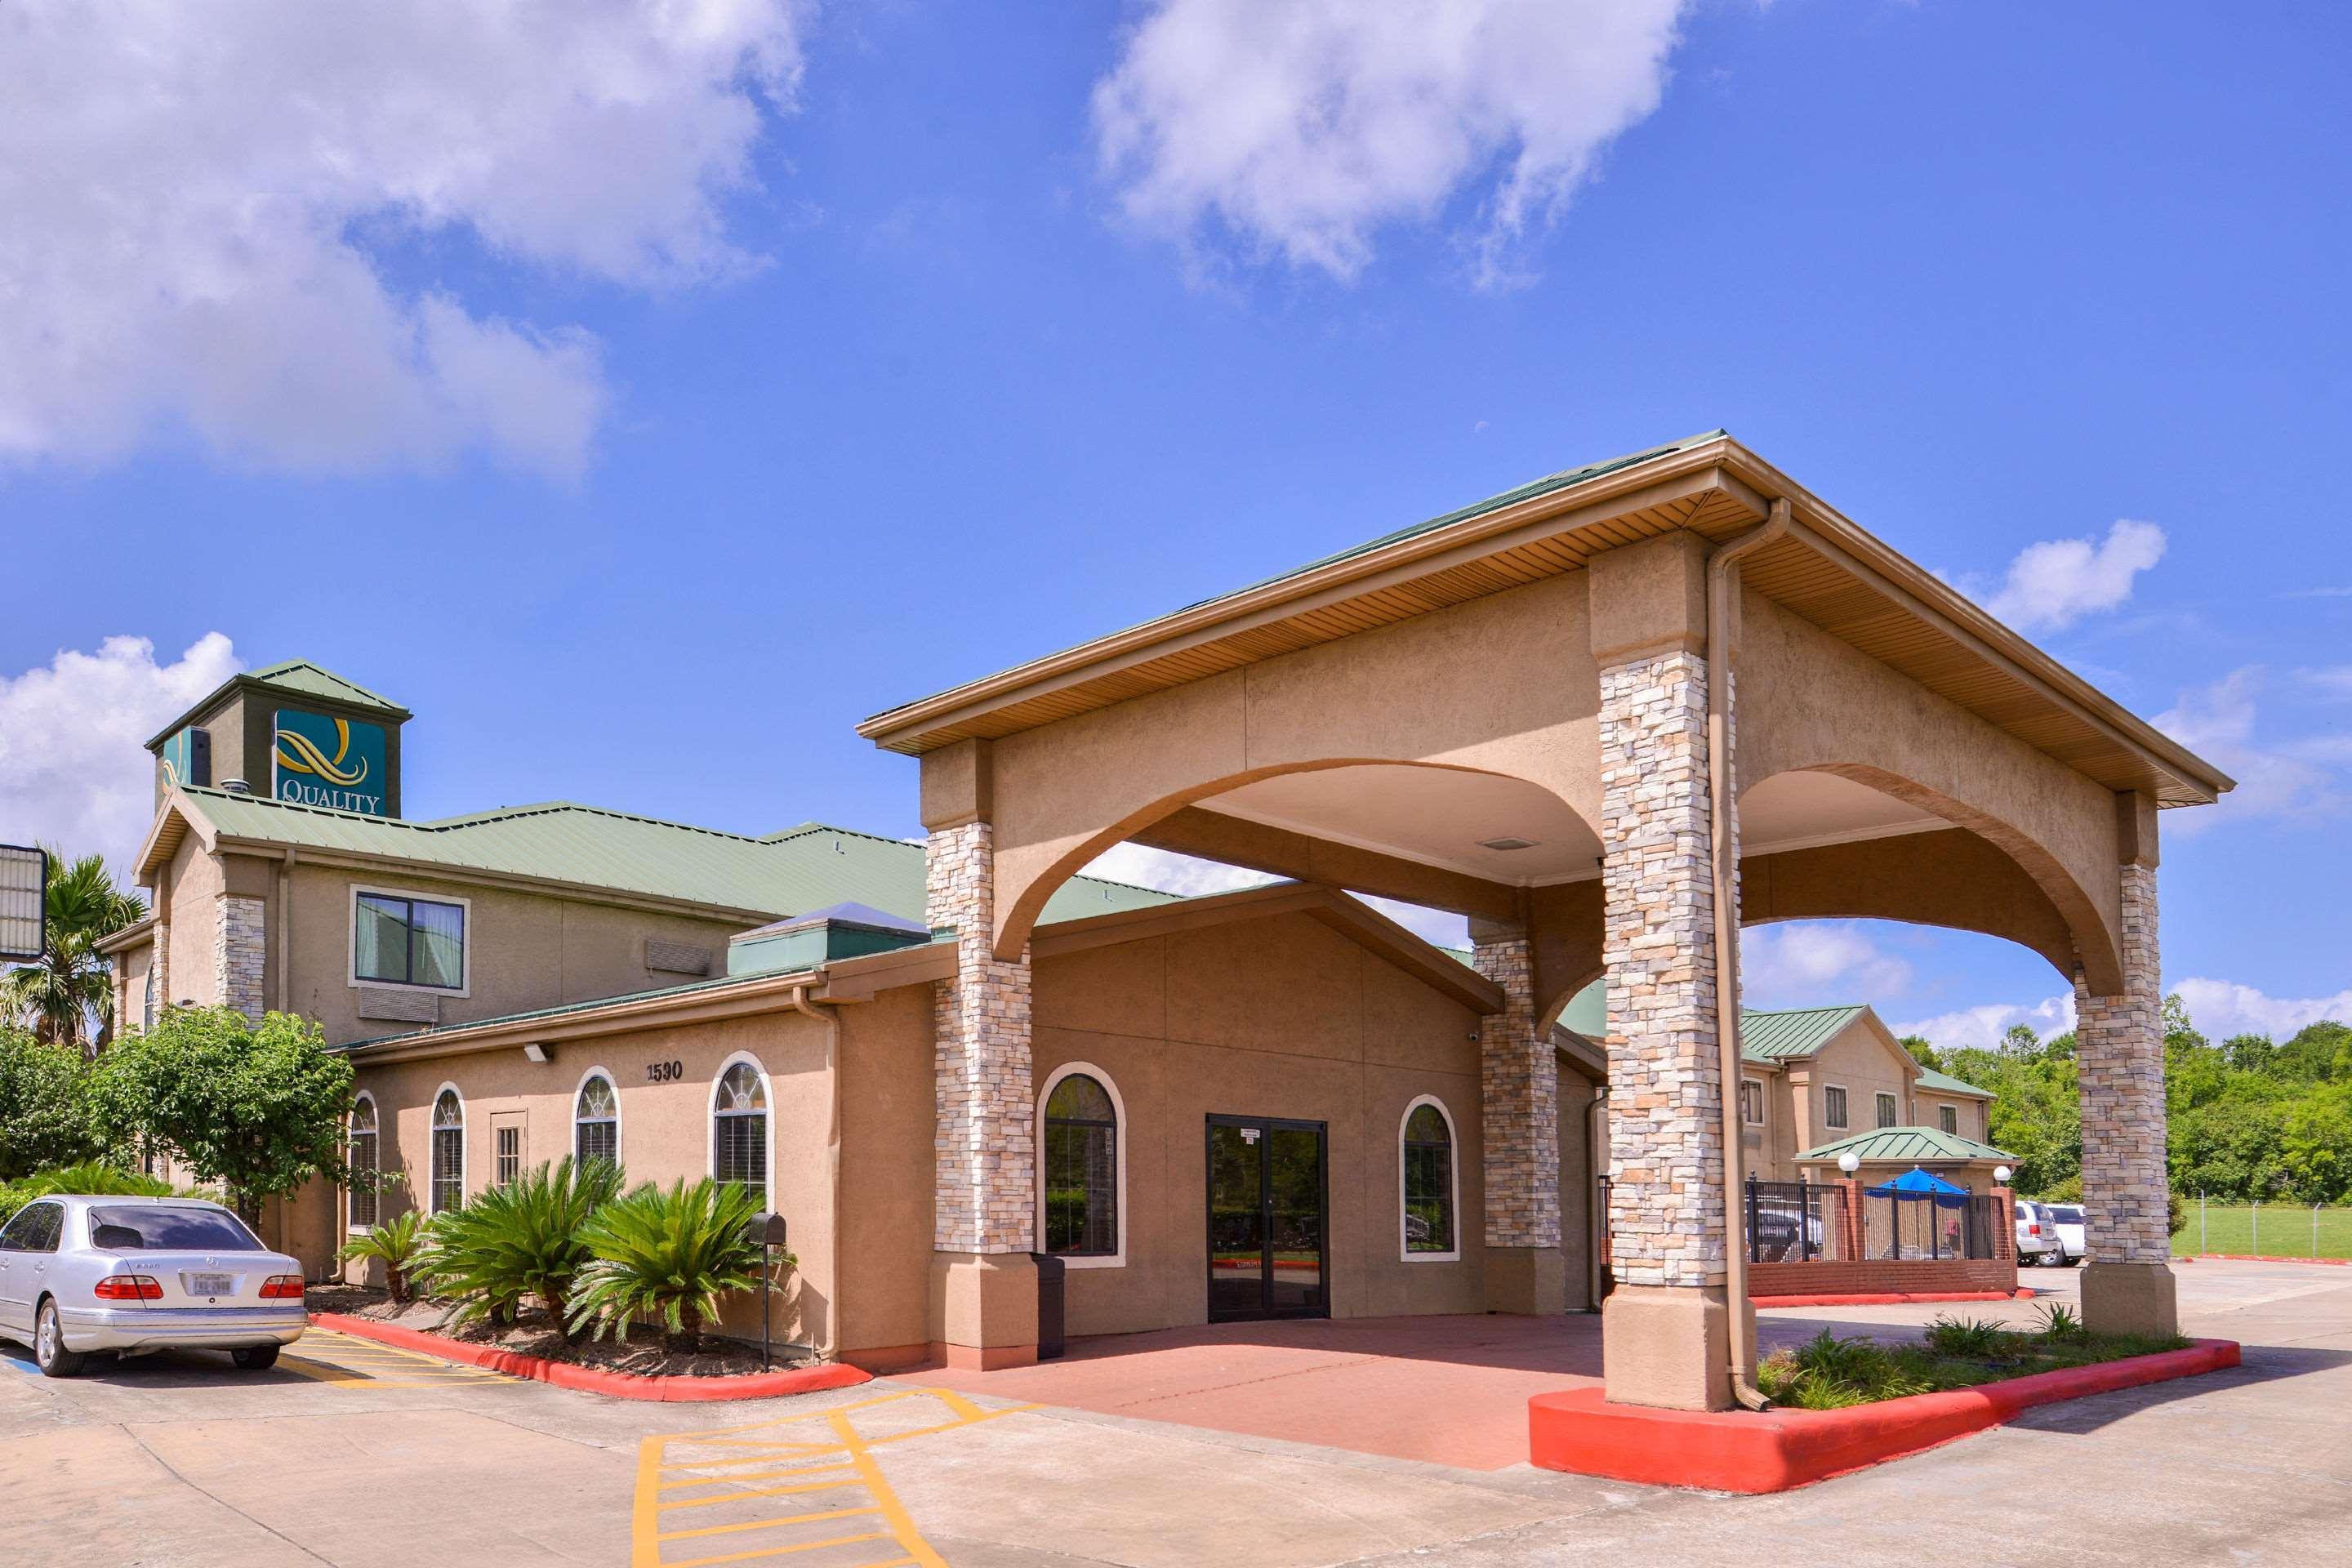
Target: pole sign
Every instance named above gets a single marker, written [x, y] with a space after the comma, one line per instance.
[334, 763]
[24, 904]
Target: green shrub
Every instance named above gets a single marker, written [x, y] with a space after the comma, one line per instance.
[1971, 1337]
[668, 1255]
[526, 1238]
[97, 1178]
[398, 1244]
[2059, 1322]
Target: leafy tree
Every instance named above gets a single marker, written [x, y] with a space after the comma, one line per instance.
[1922, 1050]
[44, 1104]
[2318, 1053]
[2249, 1053]
[73, 984]
[256, 1108]
[2022, 1041]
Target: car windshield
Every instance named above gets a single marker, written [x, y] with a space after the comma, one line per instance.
[128, 1229]
[2067, 1216]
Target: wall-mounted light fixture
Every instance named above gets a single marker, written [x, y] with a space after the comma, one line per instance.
[535, 1052]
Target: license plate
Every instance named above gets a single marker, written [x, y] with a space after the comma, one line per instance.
[209, 1284]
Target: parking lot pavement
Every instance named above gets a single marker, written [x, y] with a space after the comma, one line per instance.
[346, 1454]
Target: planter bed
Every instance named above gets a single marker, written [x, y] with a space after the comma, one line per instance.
[634, 1369]
[1774, 1450]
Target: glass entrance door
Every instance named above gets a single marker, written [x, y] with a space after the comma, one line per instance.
[1268, 1256]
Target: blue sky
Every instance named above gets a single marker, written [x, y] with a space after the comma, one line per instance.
[642, 447]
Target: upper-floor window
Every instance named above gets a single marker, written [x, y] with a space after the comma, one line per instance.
[1833, 1105]
[1949, 1116]
[400, 940]
[1751, 1101]
[1888, 1115]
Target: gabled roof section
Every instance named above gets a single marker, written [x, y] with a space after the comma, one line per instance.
[1934, 1082]
[1827, 569]
[599, 851]
[298, 677]
[1915, 1144]
[1796, 1032]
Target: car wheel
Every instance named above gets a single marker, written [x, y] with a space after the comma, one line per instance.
[255, 1358]
[2054, 1260]
[49, 1345]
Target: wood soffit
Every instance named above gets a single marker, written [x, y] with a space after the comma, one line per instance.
[1828, 571]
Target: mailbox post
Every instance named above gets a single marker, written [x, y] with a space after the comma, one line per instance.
[767, 1228]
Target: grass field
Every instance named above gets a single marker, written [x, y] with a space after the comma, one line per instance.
[2286, 1231]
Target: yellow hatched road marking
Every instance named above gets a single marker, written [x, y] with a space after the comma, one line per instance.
[772, 1459]
[364, 1364]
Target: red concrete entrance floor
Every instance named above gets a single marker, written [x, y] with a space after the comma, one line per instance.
[1448, 1390]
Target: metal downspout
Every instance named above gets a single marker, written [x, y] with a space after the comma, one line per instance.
[1722, 808]
[831, 1348]
[1595, 1217]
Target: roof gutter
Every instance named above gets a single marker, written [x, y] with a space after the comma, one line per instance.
[1738, 1321]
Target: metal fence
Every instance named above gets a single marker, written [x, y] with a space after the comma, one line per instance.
[1930, 1229]
[1795, 1222]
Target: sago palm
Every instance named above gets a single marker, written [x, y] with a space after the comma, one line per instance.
[525, 1238]
[668, 1255]
[73, 983]
[396, 1243]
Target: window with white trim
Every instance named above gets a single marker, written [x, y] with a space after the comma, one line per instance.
[1889, 1113]
[1948, 1116]
[400, 940]
[738, 1128]
[448, 1179]
[1832, 1105]
[1079, 1165]
[597, 1122]
[507, 1162]
[361, 1157]
[1429, 1217]
[1751, 1101]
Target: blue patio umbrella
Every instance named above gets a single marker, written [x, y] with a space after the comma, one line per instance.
[1922, 1185]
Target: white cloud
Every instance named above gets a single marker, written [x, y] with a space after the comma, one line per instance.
[72, 769]
[2053, 585]
[1817, 963]
[2217, 721]
[1172, 873]
[1300, 128]
[214, 214]
[2332, 682]
[2220, 1008]
[1982, 1027]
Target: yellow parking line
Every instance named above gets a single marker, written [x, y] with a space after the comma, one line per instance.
[780, 1551]
[761, 1491]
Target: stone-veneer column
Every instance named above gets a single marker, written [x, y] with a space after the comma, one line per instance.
[2127, 1285]
[237, 955]
[1662, 1328]
[984, 1284]
[1518, 1091]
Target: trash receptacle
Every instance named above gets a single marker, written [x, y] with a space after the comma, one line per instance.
[1049, 1305]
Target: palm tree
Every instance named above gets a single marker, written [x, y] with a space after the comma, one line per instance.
[73, 986]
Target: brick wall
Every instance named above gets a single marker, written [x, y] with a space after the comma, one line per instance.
[1880, 1276]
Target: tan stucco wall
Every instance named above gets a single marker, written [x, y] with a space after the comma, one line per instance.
[664, 1127]
[1066, 790]
[1867, 1067]
[1578, 1172]
[524, 951]
[195, 886]
[888, 1115]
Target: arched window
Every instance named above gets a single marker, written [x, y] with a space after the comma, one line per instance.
[361, 1157]
[738, 1127]
[596, 1121]
[448, 1152]
[1428, 1183]
[1079, 1161]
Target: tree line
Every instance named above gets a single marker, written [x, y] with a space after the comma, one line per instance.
[2250, 1119]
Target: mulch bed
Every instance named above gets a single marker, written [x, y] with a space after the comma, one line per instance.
[535, 1334]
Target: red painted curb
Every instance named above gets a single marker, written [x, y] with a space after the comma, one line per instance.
[1744, 1451]
[1895, 1298]
[2261, 1257]
[596, 1380]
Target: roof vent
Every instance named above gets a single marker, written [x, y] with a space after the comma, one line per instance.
[1506, 844]
[237, 786]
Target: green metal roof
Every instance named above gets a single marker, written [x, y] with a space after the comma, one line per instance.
[1911, 1145]
[302, 675]
[1935, 1082]
[808, 868]
[1795, 1032]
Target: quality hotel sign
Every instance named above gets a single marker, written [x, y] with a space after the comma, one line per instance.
[334, 763]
